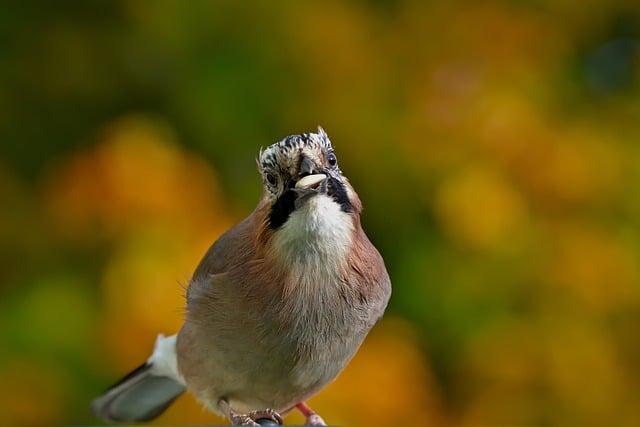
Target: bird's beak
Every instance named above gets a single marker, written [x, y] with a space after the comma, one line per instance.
[308, 186]
[311, 181]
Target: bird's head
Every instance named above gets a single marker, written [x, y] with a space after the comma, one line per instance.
[302, 169]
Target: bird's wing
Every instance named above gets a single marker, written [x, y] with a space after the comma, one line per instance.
[145, 392]
[233, 247]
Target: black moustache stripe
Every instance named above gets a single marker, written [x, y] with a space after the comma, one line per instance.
[338, 193]
[285, 204]
[282, 208]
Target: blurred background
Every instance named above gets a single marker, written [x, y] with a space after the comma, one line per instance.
[495, 146]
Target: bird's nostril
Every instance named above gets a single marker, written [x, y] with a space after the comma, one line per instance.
[307, 167]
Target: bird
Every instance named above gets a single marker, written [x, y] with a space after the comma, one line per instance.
[278, 305]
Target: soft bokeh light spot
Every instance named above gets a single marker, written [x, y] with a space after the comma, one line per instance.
[480, 209]
[135, 176]
[595, 267]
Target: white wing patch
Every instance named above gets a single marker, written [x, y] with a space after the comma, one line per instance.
[163, 361]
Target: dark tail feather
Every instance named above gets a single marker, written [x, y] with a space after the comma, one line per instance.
[139, 396]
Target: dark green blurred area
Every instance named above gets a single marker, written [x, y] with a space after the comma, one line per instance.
[495, 148]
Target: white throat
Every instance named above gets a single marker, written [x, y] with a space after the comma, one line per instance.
[316, 237]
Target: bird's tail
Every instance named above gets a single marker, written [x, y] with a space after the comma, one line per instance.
[145, 392]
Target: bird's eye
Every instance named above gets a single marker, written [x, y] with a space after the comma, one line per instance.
[331, 158]
[272, 179]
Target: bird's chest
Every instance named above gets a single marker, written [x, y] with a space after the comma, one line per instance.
[319, 328]
[318, 321]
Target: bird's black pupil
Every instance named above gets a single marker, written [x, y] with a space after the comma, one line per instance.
[271, 178]
[332, 159]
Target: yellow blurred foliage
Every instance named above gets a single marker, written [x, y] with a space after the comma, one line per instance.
[591, 267]
[480, 209]
[134, 176]
[143, 292]
[186, 410]
[557, 368]
[33, 393]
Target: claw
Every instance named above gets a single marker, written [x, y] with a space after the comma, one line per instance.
[252, 419]
[314, 420]
[243, 420]
[266, 414]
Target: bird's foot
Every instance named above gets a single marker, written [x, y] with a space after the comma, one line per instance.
[314, 420]
[264, 417]
[310, 416]
[243, 420]
[257, 418]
